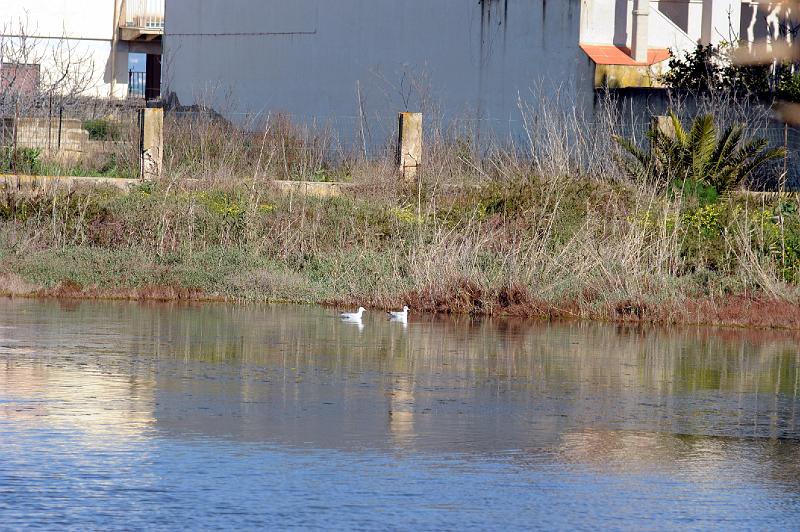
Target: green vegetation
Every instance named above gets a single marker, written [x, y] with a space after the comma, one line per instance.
[710, 164]
[109, 165]
[102, 129]
[22, 160]
[31, 161]
[570, 248]
[711, 68]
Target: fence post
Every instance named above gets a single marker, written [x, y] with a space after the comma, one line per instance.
[409, 144]
[50, 122]
[151, 120]
[14, 133]
[785, 173]
[60, 123]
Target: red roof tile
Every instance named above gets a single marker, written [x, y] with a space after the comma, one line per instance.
[605, 54]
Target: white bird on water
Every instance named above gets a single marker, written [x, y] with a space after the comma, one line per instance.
[353, 316]
[400, 315]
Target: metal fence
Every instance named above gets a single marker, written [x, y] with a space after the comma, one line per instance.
[87, 135]
[89, 126]
[788, 137]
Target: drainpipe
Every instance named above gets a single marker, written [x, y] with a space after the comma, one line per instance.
[707, 22]
[640, 30]
[114, 36]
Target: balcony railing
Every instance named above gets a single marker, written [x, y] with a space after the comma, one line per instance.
[145, 15]
[136, 84]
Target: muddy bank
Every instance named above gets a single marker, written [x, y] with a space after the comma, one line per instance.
[733, 311]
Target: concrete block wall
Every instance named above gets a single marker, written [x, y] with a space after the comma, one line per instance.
[43, 133]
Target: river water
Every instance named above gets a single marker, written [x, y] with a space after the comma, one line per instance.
[127, 416]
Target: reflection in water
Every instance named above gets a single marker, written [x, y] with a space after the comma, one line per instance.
[152, 386]
[59, 396]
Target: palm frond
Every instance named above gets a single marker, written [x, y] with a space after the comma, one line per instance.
[725, 146]
[680, 132]
[725, 179]
[636, 165]
[702, 141]
[762, 158]
[632, 149]
[749, 150]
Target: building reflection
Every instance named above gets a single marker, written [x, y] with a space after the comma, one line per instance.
[90, 403]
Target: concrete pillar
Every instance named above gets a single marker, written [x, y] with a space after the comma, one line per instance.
[640, 32]
[664, 124]
[409, 144]
[152, 142]
[721, 21]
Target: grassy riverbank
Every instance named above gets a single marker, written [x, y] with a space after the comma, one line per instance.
[552, 226]
[516, 245]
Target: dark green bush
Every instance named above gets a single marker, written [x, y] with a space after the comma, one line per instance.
[102, 129]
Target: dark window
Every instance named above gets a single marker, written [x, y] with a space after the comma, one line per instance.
[152, 87]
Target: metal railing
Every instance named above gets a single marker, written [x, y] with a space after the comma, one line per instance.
[136, 84]
[144, 14]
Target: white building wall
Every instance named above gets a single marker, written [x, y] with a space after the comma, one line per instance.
[465, 59]
[606, 22]
[85, 27]
[676, 24]
[721, 21]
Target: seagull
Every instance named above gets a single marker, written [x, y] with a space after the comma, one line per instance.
[399, 316]
[353, 316]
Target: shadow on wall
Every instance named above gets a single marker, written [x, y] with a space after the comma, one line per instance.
[621, 23]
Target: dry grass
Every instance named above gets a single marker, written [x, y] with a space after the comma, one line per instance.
[12, 284]
[546, 227]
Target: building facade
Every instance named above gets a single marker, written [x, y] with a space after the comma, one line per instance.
[329, 58]
[344, 60]
[83, 47]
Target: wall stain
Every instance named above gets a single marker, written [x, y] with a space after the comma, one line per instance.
[497, 11]
[544, 24]
[505, 30]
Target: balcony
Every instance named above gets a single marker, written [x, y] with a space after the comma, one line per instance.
[141, 20]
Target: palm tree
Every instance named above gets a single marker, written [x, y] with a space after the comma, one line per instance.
[698, 155]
